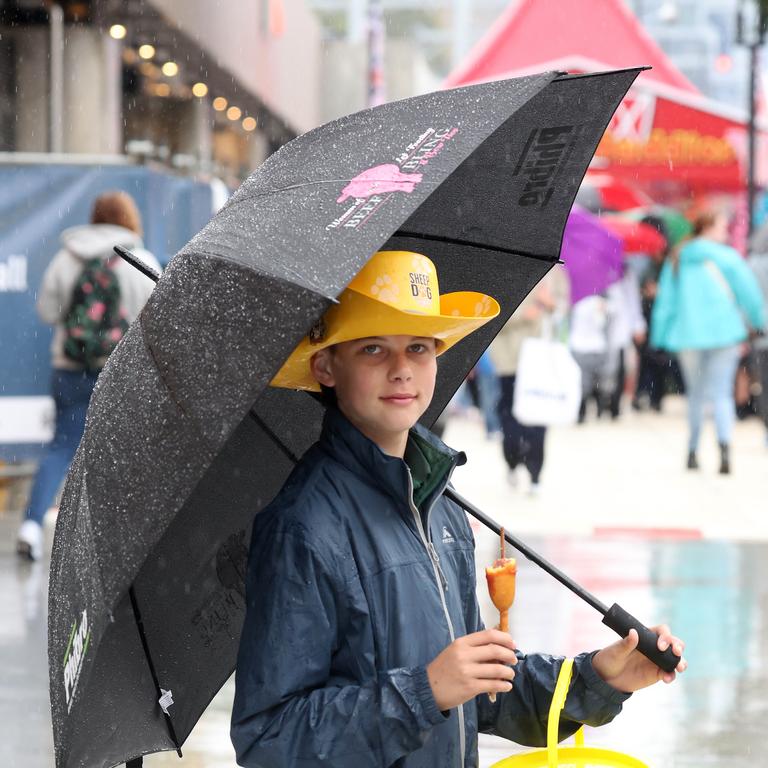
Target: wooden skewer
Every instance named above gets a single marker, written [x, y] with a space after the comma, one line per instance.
[503, 615]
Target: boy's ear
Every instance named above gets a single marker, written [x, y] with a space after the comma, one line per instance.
[320, 365]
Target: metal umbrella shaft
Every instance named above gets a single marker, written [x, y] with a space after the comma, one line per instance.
[615, 617]
[145, 269]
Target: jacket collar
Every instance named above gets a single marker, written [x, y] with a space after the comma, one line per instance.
[351, 448]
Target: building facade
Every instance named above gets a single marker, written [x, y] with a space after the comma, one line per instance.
[168, 81]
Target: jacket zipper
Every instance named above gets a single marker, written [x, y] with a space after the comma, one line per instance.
[442, 586]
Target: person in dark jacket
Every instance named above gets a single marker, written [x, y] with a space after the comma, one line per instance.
[362, 643]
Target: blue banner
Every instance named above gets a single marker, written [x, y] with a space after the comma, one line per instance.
[37, 202]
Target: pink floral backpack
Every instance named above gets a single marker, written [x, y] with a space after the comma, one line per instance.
[95, 321]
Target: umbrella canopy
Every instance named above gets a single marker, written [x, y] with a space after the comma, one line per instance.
[185, 441]
[636, 236]
[668, 221]
[592, 254]
[600, 192]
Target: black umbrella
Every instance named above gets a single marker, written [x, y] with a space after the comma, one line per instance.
[185, 441]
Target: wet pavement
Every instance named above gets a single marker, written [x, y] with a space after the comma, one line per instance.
[712, 590]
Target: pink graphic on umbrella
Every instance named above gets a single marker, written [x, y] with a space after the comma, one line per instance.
[380, 179]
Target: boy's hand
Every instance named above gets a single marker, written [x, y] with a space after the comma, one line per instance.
[472, 665]
[627, 670]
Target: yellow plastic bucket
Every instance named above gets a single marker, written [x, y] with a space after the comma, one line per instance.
[577, 756]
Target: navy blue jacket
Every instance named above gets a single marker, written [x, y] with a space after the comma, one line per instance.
[351, 591]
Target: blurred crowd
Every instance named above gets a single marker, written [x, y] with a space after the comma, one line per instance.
[611, 325]
[688, 320]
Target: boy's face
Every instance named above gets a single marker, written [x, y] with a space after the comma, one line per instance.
[383, 384]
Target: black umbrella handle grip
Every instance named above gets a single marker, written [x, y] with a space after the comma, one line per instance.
[621, 622]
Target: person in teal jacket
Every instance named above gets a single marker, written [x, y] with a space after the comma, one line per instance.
[708, 304]
[363, 645]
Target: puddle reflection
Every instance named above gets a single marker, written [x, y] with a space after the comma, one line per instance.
[714, 594]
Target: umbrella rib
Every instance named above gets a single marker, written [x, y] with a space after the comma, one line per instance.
[272, 436]
[471, 244]
[153, 672]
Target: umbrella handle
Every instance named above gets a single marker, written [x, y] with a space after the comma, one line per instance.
[620, 621]
[614, 617]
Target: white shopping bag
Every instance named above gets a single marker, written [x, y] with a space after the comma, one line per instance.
[547, 384]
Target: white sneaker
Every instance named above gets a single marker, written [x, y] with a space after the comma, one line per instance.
[535, 489]
[29, 542]
[512, 478]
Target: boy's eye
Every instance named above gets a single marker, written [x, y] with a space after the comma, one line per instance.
[371, 349]
[418, 348]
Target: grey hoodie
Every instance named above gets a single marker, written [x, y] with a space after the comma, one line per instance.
[81, 244]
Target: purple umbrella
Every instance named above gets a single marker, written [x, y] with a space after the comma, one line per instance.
[593, 256]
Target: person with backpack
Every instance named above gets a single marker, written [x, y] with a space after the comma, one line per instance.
[90, 296]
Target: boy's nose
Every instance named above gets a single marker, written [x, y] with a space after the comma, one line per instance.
[401, 368]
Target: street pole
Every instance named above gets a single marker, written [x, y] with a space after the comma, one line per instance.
[754, 40]
[376, 33]
[751, 134]
[56, 103]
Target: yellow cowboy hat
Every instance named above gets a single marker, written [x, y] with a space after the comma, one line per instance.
[395, 293]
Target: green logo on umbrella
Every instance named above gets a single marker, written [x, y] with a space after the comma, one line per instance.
[77, 646]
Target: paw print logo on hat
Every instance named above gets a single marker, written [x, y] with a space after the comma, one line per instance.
[422, 264]
[384, 289]
[483, 306]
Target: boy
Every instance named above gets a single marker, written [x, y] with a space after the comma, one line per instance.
[363, 643]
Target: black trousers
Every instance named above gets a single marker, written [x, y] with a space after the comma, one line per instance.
[522, 444]
[651, 376]
[618, 390]
[761, 366]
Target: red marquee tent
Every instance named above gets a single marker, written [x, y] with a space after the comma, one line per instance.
[666, 136]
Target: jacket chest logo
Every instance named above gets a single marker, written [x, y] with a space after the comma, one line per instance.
[447, 536]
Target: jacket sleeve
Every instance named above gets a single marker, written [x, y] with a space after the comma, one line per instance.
[288, 708]
[521, 715]
[663, 307]
[745, 288]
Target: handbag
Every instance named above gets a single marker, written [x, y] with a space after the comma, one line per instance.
[547, 384]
